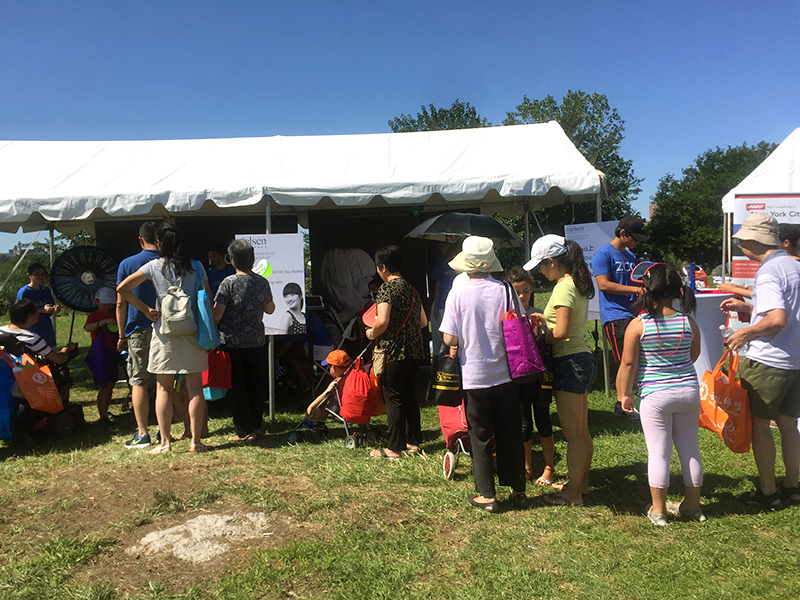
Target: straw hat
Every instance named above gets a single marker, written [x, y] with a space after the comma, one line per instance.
[759, 228]
[476, 256]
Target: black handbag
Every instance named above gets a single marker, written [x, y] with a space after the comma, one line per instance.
[445, 387]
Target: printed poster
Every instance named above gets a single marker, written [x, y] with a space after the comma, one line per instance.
[784, 207]
[279, 259]
[591, 237]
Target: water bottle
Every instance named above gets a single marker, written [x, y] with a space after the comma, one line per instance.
[726, 332]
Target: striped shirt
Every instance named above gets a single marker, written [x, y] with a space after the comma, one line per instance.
[33, 342]
[665, 354]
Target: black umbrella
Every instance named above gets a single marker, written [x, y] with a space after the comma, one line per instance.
[454, 223]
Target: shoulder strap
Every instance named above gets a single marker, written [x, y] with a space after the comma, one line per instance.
[410, 310]
[512, 297]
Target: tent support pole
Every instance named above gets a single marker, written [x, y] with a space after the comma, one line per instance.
[606, 368]
[725, 248]
[527, 220]
[52, 262]
[271, 342]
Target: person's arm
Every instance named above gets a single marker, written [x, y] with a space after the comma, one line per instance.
[286, 322]
[122, 317]
[437, 291]
[732, 288]
[423, 319]
[773, 321]
[218, 310]
[383, 311]
[94, 326]
[626, 375]
[605, 285]
[321, 398]
[125, 289]
[735, 305]
[563, 325]
[269, 307]
[696, 337]
[59, 356]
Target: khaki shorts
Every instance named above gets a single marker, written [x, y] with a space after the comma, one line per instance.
[770, 390]
[138, 353]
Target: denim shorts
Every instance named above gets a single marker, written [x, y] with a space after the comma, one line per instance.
[574, 373]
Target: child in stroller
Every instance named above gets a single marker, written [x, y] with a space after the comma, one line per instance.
[329, 401]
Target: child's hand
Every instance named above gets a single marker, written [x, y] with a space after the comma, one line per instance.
[51, 309]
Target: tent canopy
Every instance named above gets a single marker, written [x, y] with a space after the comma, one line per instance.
[778, 174]
[44, 183]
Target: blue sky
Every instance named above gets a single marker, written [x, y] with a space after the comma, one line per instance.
[685, 76]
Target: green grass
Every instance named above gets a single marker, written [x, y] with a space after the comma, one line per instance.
[382, 529]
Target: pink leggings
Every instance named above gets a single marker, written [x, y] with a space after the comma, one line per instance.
[670, 416]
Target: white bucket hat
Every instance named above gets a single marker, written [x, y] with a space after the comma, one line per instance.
[476, 256]
[547, 246]
[759, 228]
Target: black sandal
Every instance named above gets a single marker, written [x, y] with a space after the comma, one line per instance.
[790, 494]
[771, 502]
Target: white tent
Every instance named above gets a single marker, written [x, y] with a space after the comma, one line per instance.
[778, 174]
[46, 183]
[776, 180]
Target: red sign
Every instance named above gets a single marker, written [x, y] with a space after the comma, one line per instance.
[759, 206]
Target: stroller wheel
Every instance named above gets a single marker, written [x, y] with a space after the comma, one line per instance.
[294, 437]
[448, 464]
[62, 424]
[350, 442]
[373, 436]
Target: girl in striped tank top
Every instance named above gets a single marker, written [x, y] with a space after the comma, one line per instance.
[660, 348]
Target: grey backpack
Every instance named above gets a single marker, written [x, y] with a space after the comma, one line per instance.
[177, 316]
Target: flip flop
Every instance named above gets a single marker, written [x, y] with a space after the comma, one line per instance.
[543, 481]
[159, 450]
[382, 454]
[559, 500]
[195, 448]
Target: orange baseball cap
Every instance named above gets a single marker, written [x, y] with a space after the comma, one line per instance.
[337, 358]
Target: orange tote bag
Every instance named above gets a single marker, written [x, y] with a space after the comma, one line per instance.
[725, 406]
[37, 385]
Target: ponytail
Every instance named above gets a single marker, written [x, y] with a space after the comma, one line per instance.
[576, 266]
[661, 283]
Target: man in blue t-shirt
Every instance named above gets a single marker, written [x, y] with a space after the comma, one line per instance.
[137, 332]
[612, 266]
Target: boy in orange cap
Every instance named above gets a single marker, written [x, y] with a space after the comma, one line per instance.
[338, 361]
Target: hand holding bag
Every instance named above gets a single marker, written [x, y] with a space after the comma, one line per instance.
[725, 407]
[524, 361]
[209, 338]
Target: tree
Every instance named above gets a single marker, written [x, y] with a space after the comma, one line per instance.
[597, 130]
[459, 116]
[687, 221]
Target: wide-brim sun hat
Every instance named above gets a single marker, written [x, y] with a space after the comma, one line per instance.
[547, 246]
[759, 228]
[476, 256]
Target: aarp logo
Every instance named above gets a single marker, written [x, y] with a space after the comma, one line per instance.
[756, 206]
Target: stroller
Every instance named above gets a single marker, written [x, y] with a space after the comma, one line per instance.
[347, 407]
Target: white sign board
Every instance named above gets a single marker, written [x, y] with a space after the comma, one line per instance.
[279, 259]
[591, 237]
[784, 207]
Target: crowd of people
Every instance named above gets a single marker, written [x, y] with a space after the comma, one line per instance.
[647, 325]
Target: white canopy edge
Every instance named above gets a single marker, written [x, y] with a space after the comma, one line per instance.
[778, 174]
[59, 182]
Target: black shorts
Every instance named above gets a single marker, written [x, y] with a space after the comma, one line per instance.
[615, 334]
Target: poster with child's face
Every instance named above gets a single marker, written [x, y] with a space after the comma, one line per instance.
[279, 259]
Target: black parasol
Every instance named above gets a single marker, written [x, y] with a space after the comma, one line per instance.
[455, 223]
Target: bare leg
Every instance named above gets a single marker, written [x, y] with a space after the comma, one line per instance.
[790, 448]
[549, 454]
[140, 401]
[659, 498]
[572, 412]
[764, 455]
[164, 386]
[197, 405]
[528, 464]
[104, 400]
[691, 499]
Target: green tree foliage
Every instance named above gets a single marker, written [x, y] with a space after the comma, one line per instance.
[597, 130]
[461, 115]
[687, 223]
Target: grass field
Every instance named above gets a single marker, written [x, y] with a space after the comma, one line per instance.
[348, 526]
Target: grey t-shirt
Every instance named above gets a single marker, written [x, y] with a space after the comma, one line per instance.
[244, 297]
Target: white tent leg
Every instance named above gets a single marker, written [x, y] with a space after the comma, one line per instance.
[271, 342]
[52, 262]
[606, 369]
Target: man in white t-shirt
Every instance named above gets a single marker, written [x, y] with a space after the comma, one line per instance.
[771, 371]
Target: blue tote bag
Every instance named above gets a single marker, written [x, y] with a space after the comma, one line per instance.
[209, 338]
